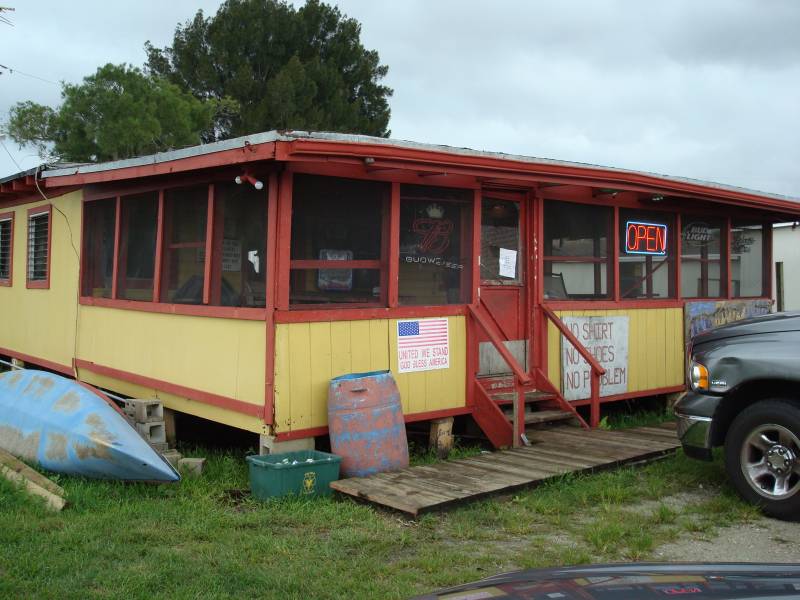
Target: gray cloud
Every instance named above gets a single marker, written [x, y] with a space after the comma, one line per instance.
[699, 89]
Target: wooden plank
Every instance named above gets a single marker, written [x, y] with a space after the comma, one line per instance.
[559, 450]
[34, 482]
[610, 438]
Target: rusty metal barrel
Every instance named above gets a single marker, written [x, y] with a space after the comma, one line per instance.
[365, 422]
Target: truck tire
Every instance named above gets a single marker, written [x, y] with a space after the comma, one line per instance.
[762, 457]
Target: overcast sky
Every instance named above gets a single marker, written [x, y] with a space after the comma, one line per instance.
[708, 89]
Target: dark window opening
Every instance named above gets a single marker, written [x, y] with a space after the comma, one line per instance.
[435, 245]
[501, 259]
[98, 247]
[703, 262]
[748, 276]
[337, 247]
[137, 247]
[183, 267]
[239, 261]
[577, 261]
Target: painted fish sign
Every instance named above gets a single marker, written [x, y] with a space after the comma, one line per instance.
[606, 338]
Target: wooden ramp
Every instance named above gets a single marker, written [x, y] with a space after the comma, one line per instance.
[553, 452]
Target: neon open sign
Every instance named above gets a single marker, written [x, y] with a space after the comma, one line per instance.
[645, 238]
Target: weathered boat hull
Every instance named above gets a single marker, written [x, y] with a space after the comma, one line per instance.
[72, 429]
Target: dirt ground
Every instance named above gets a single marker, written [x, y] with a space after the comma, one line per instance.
[765, 540]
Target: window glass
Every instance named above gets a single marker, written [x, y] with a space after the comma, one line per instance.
[98, 247]
[239, 259]
[38, 246]
[500, 255]
[435, 245]
[183, 269]
[334, 221]
[576, 256]
[646, 255]
[702, 274]
[137, 247]
[6, 233]
[747, 259]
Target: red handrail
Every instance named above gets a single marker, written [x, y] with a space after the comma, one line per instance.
[497, 342]
[521, 377]
[597, 369]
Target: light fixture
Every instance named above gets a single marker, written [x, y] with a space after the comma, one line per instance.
[240, 179]
[369, 160]
[657, 198]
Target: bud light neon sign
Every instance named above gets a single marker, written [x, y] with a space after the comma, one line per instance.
[645, 238]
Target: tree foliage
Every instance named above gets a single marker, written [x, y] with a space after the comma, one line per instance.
[116, 113]
[282, 67]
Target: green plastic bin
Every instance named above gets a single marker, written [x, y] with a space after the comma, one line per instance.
[301, 473]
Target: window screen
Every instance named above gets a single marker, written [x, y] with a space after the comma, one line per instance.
[98, 247]
[137, 247]
[183, 270]
[747, 260]
[646, 255]
[337, 241]
[435, 245]
[38, 246]
[6, 224]
[702, 257]
[576, 251]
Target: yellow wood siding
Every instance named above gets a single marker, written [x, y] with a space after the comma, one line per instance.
[308, 355]
[41, 322]
[655, 346]
[220, 356]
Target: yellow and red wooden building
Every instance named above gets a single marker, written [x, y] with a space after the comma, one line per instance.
[233, 280]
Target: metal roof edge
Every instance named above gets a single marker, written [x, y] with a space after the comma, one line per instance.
[291, 136]
[169, 156]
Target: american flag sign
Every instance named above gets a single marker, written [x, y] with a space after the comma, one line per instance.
[423, 345]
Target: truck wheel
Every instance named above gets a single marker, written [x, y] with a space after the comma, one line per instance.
[762, 457]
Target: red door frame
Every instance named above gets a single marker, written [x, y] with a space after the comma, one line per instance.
[528, 278]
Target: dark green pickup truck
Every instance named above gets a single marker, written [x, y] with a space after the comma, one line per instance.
[745, 395]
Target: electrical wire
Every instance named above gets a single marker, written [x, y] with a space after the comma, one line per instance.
[18, 72]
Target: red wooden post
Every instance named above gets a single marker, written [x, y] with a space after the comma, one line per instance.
[115, 259]
[284, 234]
[159, 248]
[271, 289]
[209, 245]
[394, 246]
[594, 418]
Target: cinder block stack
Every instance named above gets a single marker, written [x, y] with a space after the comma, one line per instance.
[148, 418]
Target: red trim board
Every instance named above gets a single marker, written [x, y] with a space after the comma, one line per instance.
[245, 408]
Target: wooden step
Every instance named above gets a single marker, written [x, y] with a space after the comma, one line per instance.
[535, 417]
[547, 416]
[530, 396]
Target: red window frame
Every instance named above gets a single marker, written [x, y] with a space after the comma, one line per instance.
[724, 258]
[381, 264]
[40, 284]
[679, 214]
[609, 260]
[9, 281]
[155, 305]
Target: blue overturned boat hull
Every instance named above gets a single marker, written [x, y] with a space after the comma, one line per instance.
[69, 428]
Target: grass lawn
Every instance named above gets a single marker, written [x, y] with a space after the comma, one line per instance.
[200, 538]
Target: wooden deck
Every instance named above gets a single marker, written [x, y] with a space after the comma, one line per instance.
[553, 452]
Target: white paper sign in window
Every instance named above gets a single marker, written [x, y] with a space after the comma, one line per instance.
[508, 263]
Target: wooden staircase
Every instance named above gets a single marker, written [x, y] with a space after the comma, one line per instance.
[506, 409]
[541, 407]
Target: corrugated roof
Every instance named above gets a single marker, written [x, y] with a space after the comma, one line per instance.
[289, 136]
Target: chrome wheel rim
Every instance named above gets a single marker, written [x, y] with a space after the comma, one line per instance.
[770, 461]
